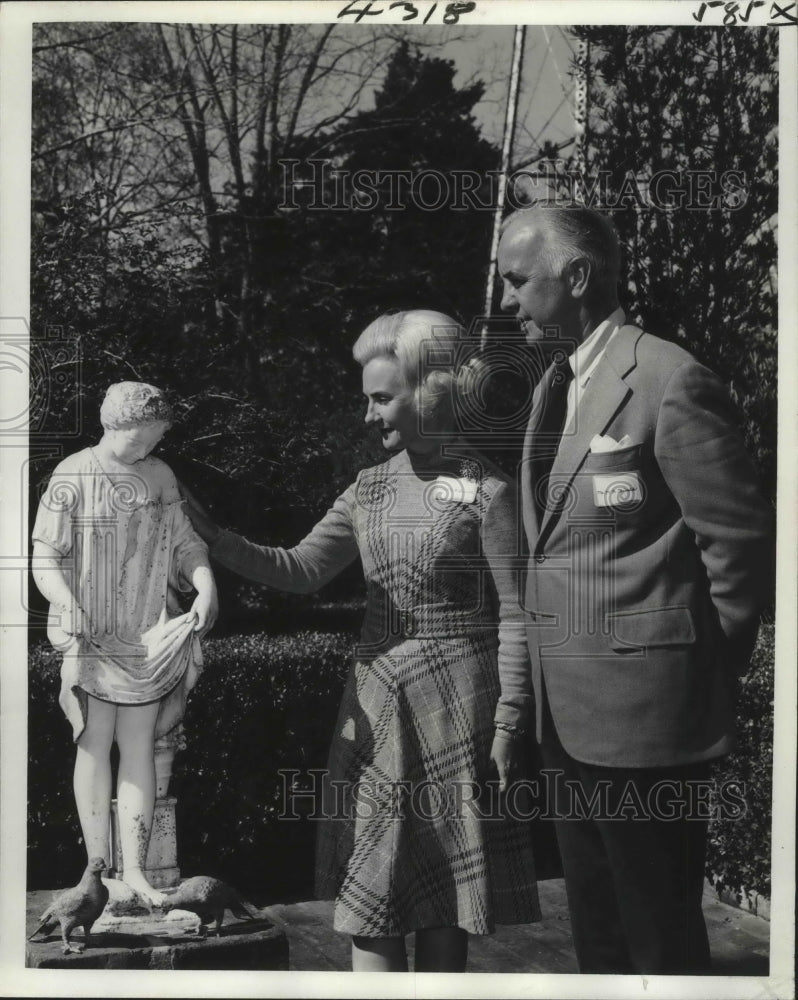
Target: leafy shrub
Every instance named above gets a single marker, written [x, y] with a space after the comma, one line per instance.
[55, 854]
[263, 704]
[738, 855]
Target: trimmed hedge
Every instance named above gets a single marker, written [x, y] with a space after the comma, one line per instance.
[262, 703]
[738, 852]
[266, 703]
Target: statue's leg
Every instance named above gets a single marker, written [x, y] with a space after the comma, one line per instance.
[92, 777]
[135, 794]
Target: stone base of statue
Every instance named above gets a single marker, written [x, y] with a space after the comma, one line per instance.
[127, 936]
[131, 935]
[160, 869]
[126, 913]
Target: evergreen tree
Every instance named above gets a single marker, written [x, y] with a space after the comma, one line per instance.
[702, 104]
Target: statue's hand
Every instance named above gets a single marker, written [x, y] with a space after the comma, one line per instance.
[74, 620]
[203, 523]
[206, 609]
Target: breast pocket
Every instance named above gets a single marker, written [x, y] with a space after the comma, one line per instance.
[609, 461]
[615, 480]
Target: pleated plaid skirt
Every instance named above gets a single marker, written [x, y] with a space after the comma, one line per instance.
[416, 834]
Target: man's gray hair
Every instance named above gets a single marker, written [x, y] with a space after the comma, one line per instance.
[575, 232]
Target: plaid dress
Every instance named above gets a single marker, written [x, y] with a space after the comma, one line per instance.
[415, 834]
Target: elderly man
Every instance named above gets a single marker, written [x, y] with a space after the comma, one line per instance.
[649, 560]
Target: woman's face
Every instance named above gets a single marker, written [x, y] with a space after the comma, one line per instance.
[391, 405]
[129, 445]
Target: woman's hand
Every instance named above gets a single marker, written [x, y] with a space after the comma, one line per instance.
[504, 755]
[203, 523]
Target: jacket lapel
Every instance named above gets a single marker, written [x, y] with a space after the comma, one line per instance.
[604, 395]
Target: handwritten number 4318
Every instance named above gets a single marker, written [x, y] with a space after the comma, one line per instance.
[358, 9]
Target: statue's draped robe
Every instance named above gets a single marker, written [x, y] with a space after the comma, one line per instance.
[126, 553]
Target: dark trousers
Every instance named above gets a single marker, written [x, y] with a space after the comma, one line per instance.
[635, 882]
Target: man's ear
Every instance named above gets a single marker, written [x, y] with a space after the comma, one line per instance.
[577, 274]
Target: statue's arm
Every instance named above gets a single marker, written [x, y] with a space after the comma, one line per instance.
[48, 575]
[206, 603]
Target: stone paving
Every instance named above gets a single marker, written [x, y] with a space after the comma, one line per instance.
[739, 941]
[299, 936]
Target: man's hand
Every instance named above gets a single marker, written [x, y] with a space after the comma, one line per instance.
[504, 756]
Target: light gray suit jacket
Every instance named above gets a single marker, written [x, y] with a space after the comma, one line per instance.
[646, 580]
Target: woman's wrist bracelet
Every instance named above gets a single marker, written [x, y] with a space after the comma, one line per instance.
[506, 729]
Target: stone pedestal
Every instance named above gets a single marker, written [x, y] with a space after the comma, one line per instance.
[161, 869]
[149, 942]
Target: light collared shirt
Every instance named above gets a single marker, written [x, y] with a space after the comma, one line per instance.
[586, 358]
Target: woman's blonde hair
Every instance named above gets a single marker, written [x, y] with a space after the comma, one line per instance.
[434, 357]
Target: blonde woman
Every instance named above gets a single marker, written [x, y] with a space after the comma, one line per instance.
[438, 691]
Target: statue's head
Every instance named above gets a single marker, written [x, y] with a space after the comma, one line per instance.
[134, 404]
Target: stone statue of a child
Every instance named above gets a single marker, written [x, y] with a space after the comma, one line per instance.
[112, 547]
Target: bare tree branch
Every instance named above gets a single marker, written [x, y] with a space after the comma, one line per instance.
[307, 80]
[77, 43]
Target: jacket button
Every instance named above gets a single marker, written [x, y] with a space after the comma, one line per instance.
[539, 558]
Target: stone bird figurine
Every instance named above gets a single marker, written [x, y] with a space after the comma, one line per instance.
[208, 898]
[77, 907]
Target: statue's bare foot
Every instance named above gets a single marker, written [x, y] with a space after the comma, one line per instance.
[134, 878]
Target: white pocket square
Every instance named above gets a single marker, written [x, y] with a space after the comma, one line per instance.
[601, 443]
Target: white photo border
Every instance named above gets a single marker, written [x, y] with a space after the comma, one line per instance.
[16, 21]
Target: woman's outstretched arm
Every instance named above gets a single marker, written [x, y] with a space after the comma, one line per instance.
[328, 549]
